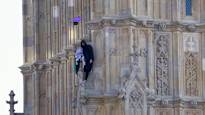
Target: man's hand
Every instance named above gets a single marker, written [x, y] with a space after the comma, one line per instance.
[91, 61]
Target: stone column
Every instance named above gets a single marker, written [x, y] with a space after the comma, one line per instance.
[107, 60]
[176, 64]
[35, 79]
[150, 5]
[203, 61]
[176, 10]
[35, 29]
[49, 89]
[39, 88]
[180, 56]
[202, 10]
[61, 87]
[28, 39]
[107, 7]
[27, 71]
[68, 78]
[62, 77]
[151, 59]
[55, 62]
[42, 30]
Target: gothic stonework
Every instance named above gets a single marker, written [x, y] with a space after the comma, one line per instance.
[162, 76]
[191, 42]
[191, 64]
[148, 57]
[167, 111]
[191, 74]
[193, 112]
[136, 100]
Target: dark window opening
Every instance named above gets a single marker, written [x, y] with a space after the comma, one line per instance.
[188, 7]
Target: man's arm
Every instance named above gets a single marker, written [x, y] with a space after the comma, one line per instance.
[91, 53]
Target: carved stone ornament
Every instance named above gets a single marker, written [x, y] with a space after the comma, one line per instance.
[164, 102]
[122, 93]
[162, 26]
[26, 69]
[94, 25]
[83, 100]
[191, 44]
[193, 112]
[136, 102]
[133, 94]
[162, 65]
[150, 93]
[193, 103]
[191, 74]
[191, 28]
[40, 66]
[142, 52]
[191, 64]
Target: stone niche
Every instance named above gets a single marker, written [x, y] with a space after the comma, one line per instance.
[163, 63]
[192, 78]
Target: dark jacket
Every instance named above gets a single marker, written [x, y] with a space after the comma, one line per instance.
[87, 51]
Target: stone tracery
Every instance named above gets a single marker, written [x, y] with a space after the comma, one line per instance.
[162, 66]
[136, 102]
[191, 67]
[191, 74]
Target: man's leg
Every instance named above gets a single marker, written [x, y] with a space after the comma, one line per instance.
[86, 75]
[88, 69]
[77, 66]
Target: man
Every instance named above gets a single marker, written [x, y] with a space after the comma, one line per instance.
[79, 58]
[88, 58]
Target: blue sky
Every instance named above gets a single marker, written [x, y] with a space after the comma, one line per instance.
[11, 50]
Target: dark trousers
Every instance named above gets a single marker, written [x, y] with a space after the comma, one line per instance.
[87, 68]
[77, 66]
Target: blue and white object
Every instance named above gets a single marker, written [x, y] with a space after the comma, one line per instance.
[76, 19]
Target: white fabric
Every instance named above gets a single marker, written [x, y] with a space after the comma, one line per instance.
[79, 54]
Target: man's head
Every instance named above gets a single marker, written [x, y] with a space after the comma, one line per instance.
[83, 43]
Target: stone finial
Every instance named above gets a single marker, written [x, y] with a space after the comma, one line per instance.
[12, 103]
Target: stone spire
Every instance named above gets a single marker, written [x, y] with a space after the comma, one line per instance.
[12, 103]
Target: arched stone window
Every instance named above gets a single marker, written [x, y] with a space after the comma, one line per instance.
[188, 7]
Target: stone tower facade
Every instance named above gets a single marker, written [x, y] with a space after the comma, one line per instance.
[149, 57]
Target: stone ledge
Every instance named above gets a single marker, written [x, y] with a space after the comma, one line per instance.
[26, 69]
[180, 102]
[99, 99]
[145, 22]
